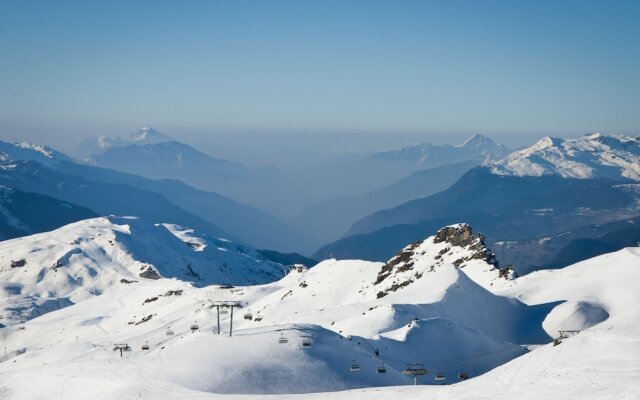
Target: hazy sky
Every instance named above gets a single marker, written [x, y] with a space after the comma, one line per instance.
[71, 69]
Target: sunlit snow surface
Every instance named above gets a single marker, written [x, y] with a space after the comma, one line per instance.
[450, 318]
[589, 156]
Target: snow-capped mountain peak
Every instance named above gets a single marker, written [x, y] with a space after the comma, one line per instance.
[29, 152]
[477, 140]
[147, 135]
[589, 156]
[96, 145]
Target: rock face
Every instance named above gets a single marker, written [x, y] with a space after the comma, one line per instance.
[462, 235]
[454, 245]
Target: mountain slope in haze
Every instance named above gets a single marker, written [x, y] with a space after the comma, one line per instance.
[103, 198]
[508, 207]
[264, 188]
[51, 270]
[428, 155]
[94, 145]
[550, 189]
[356, 175]
[112, 192]
[256, 227]
[599, 239]
[329, 219]
[23, 213]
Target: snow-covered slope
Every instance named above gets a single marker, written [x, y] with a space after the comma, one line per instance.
[30, 152]
[589, 156]
[47, 271]
[439, 302]
[419, 307]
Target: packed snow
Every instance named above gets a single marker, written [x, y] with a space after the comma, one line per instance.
[442, 302]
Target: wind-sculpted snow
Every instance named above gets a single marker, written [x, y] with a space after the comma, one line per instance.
[456, 317]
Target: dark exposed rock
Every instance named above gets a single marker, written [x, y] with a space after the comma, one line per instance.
[507, 273]
[462, 235]
[18, 263]
[173, 293]
[150, 273]
[403, 256]
[150, 300]
[58, 264]
[126, 281]
[459, 235]
[144, 319]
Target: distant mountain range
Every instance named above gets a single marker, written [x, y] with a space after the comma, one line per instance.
[355, 176]
[387, 179]
[44, 171]
[427, 155]
[329, 219]
[153, 155]
[94, 145]
[533, 193]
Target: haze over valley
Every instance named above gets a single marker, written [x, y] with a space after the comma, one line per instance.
[319, 200]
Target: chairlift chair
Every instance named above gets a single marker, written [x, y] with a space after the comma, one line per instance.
[145, 346]
[382, 369]
[169, 332]
[306, 341]
[354, 367]
[224, 310]
[463, 376]
[195, 327]
[282, 339]
[440, 377]
[248, 316]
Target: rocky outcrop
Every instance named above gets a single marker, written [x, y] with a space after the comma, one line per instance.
[462, 235]
[149, 273]
[454, 244]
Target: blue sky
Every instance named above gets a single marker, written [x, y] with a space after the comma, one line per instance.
[506, 67]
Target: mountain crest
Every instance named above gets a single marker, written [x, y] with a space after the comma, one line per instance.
[477, 140]
[589, 156]
[452, 245]
[147, 135]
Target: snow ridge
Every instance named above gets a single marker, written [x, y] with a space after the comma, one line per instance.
[589, 156]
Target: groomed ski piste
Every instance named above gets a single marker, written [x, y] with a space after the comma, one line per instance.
[349, 329]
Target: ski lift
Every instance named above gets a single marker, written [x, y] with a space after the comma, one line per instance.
[248, 315]
[382, 369]
[463, 376]
[354, 367]
[195, 327]
[145, 346]
[283, 339]
[306, 341]
[224, 310]
[169, 331]
[440, 377]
